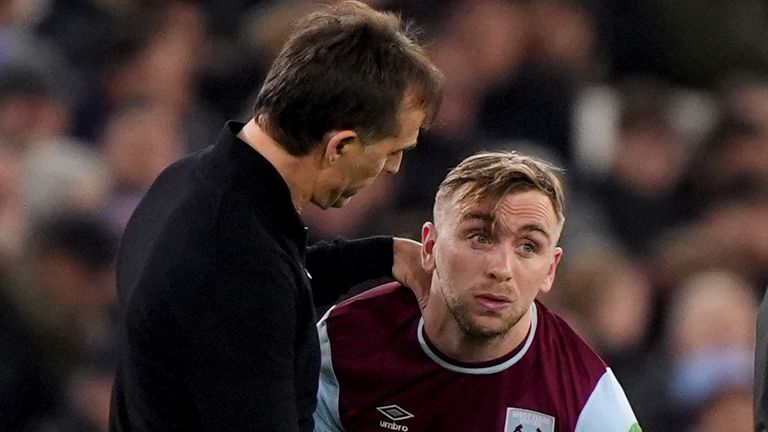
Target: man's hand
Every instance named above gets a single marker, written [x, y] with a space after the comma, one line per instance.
[407, 269]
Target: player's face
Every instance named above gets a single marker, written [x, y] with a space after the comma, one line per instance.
[488, 268]
[360, 164]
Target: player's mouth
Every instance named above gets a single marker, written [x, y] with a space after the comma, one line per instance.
[493, 302]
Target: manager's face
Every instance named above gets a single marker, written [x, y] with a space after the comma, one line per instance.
[358, 164]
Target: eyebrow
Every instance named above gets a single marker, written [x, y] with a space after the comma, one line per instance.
[489, 219]
[536, 228]
[484, 217]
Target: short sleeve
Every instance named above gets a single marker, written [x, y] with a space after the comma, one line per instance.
[607, 409]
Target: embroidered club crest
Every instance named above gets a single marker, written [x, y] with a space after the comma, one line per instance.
[523, 420]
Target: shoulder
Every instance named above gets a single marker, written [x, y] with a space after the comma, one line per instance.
[390, 296]
[559, 336]
[381, 307]
[392, 291]
[594, 391]
[564, 353]
[607, 408]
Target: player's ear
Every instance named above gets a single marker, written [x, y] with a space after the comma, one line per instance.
[336, 143]
[550, 279]
[428, 237]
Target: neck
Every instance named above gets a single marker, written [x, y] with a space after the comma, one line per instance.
[452, 340]
[297, 171]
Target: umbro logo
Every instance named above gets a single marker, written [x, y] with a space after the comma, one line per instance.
[394, 413]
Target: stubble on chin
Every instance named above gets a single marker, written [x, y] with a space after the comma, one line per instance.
[473, 329]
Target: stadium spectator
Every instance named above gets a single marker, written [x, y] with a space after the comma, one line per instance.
[84, 405]
[728, 235]
[58, 313]
[68, 287]
[153, 51]
[30, 110]
[729, 409]
[28, 388]
[707, 351]
[638, 194]
[573, 50]
[138, 142]
[48, 172]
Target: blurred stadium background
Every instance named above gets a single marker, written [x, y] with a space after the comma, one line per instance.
[657, 110]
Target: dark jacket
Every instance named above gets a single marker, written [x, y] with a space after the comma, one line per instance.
[217, 326]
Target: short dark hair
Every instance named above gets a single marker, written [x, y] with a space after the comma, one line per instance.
[349, 67]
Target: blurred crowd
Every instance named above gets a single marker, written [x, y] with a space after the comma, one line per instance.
[656, 109]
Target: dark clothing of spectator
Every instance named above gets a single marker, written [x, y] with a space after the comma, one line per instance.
[27, 389]
[636, 220]
[534, 105]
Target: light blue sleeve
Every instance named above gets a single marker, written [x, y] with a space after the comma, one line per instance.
[327, 412]
[607, 409]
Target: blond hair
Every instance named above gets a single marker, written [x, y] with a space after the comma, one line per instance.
[490, 176]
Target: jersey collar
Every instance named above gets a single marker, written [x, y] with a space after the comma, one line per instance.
[484, 368]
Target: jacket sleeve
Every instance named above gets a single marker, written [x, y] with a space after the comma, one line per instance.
[607, 408]
[240, 353]
[335, 267]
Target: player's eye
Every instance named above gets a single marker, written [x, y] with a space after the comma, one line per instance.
[480, 239]
[528, 248]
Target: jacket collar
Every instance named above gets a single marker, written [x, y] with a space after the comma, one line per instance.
[261, 184]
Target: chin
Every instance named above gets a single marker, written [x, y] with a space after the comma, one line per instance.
[339, 203]
[487, 327]
[483, 333]
[343, 199]
[320, 204]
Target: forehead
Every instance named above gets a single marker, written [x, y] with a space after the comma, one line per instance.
[411, 118]
[411, 112]
[514, 209]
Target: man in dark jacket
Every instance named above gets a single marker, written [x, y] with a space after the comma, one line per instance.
[217, 286]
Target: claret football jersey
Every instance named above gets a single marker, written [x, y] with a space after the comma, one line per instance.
[381, 373]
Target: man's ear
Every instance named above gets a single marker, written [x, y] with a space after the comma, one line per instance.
[550, 279]
[428, 237]
[336, 143]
